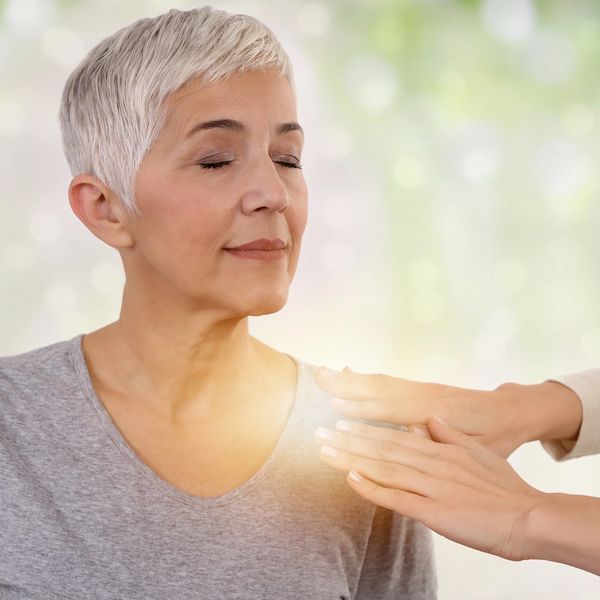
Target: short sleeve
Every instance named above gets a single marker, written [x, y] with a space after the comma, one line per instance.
[586, 384]
[399, 560]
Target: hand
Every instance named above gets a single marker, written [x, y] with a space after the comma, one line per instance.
[449, 482]
[500, 419]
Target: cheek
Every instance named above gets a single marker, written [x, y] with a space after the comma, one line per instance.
[182, 239]
[298, 211]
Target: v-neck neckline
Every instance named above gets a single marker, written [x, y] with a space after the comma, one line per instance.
[171, 491]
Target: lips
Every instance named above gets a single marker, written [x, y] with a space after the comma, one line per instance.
[263, 251]
[262, 244]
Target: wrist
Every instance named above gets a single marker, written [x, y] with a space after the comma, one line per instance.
[563, 528]
[539, 527]
[546, 411]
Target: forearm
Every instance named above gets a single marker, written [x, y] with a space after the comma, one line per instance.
[566, 529]
[544, 411]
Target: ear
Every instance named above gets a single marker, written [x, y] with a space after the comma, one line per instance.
[99, 209]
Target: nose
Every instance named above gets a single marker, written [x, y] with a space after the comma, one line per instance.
[266, 189]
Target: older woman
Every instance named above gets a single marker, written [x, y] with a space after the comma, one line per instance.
[170, 454]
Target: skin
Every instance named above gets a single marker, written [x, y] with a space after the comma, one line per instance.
[460, 484]
[179, 365]
[501, 420]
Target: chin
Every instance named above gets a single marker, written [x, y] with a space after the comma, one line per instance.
[267, 304]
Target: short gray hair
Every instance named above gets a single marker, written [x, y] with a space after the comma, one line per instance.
[113, 103]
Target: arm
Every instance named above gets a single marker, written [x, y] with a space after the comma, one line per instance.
[586, 386]
[566, 529]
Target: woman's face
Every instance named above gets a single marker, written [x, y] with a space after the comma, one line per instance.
[203, 188]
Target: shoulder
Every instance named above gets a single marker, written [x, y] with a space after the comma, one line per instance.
[317, 407]
[35, 371]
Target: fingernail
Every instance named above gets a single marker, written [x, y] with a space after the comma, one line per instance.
[329, 451]
[324, 433]
[339, 401]
[342, 425]
[355, 476]
[440, 421]
[329, 372]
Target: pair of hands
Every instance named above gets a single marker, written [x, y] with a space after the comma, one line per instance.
[457, 483]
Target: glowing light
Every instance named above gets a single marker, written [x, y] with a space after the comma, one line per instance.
[372, 82]
[44, 227]
[107, 278]
[314, 18]
[509, 20]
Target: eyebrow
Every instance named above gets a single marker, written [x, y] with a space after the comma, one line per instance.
[234, 125]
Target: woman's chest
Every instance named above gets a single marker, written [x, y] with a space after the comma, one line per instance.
[124, 545]
[200, 461]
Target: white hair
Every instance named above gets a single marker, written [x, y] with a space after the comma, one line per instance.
[113, 103]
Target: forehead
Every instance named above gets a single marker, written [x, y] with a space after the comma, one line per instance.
[255, 93]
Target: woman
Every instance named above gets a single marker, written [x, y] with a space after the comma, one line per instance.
[460, 485]
[170, 454]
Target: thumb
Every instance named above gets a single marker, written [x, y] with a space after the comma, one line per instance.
[442, 432]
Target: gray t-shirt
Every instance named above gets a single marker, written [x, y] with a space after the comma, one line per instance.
[82, 516]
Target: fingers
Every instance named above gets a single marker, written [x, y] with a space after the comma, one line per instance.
[348, 431]
[444, 462]
[351, 385]
[466, 463]
[442, 432]
[406, 503]
[388, 474]
[378, 397]
[378, 450]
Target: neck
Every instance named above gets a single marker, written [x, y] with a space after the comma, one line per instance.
[184, 366]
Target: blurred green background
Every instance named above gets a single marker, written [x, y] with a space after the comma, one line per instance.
[451, 159]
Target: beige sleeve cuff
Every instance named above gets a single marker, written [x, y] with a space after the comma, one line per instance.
[586, 384]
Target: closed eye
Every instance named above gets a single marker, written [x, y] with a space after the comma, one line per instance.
[220, 165]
